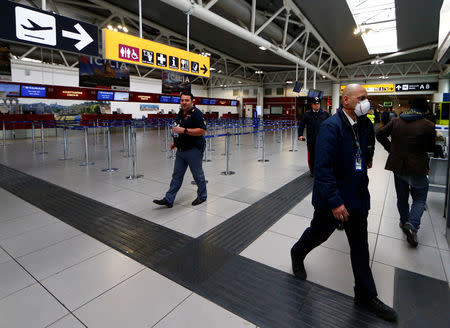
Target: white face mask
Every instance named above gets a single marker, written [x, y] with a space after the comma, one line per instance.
[362, 108]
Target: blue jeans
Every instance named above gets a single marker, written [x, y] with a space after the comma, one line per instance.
[193, 159]
[417, 185]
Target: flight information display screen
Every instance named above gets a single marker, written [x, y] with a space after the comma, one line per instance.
[33, 91]
[105, 95]
[12, 90]
[121, 96]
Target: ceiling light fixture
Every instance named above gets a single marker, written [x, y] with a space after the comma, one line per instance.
[289, 82]
[206, 54]
[262, 48]
[259, 72]
[377, 61]
[212, 69]
[384, 77]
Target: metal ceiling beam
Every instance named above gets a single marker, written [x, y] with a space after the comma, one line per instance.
[235, 29]
[396, 54]
[210, 4]
[263, 26]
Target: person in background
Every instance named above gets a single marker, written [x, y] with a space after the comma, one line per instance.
[412, 137]
[341, 193]
[190, 144]
[312, 119]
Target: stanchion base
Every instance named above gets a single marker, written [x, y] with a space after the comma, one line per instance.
[87, 164]
[65, 159]
[43, 153]
[293, 150]
[132, 177]
[227, 173]
[123, 151]
[110, 170]
[263, 160]
[206, 160]
[194, 183]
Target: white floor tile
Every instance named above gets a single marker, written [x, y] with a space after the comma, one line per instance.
[69, 321]
[23, 224]
[81, 283]
[291, 225]
[446, 260]
[163, 214]
[4, 257]
[195, 223]
[13, 278]
[425, 235]
[54, 259]
[423, 259]
[304, 209]
[384, 276]
[223, 207]
[39, 238]
[373, 223]
[141, 301]
[30, 307]
[207, 315]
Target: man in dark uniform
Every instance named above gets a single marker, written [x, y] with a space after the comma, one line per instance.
[312, 119]
[190, 145]
[341, 193]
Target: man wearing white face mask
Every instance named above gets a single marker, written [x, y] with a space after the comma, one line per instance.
[341, 193]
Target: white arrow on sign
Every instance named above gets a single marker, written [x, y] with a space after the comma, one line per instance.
[82, 36]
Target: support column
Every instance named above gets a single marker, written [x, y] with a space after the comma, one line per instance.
[443, 87]
[335, 91]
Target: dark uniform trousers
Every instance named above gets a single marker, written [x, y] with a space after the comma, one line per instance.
[311, 155]
[192, 158]
[322, 226]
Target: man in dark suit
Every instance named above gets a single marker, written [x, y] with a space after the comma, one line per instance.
[341, 193]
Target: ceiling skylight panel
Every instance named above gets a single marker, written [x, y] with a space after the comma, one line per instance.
[376, 23]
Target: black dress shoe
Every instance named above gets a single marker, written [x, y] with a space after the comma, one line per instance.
[163, 202]
[198, 201]
[378, 308]
[298, 268]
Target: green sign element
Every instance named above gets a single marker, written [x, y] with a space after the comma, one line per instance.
[387, 104]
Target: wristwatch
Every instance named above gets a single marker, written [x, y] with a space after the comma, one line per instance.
[185, 131]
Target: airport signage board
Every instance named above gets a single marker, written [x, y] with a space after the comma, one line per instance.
[23, 24]
[134, 50]
[422, 86]
[376, 88]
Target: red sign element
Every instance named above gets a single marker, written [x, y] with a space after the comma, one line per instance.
[128, 53]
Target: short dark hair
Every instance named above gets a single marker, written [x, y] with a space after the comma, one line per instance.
[420, 104]
[187, 94]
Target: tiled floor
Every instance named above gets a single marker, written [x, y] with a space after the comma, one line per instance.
[52, 275]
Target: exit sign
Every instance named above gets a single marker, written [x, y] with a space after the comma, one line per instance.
[387, 104]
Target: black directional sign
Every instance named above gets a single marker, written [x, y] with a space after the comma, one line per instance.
[422, 86]
[28, 25]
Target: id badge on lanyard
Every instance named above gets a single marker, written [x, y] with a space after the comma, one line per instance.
[358, 158]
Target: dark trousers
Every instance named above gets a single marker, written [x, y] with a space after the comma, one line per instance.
[193, 159]
[311, 156]
[322, 226]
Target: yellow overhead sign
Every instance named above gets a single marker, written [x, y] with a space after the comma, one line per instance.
[376, 87]
[131, 49]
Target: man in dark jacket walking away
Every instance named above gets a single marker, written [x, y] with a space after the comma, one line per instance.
[312, 120]
[341, 193]
[412, 137]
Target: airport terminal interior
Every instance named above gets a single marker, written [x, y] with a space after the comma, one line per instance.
[90, 91]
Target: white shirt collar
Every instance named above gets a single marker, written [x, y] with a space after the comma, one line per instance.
[349, 118]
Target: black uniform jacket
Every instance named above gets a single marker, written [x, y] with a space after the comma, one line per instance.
[312, 120]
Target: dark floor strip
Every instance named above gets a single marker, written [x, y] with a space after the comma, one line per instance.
[256, 292]
[120, 230]
[242, 229]
[422, 301]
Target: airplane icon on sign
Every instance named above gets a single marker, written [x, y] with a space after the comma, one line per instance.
[36, 27]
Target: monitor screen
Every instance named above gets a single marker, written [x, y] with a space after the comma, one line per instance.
[313, 93]
[175, 100]
[233, 103]
[205, 101]
[212, 101]
[33, 91]
[297, 86]
[121, 96]
[12, 90]
[105, 95]
[165, 99]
